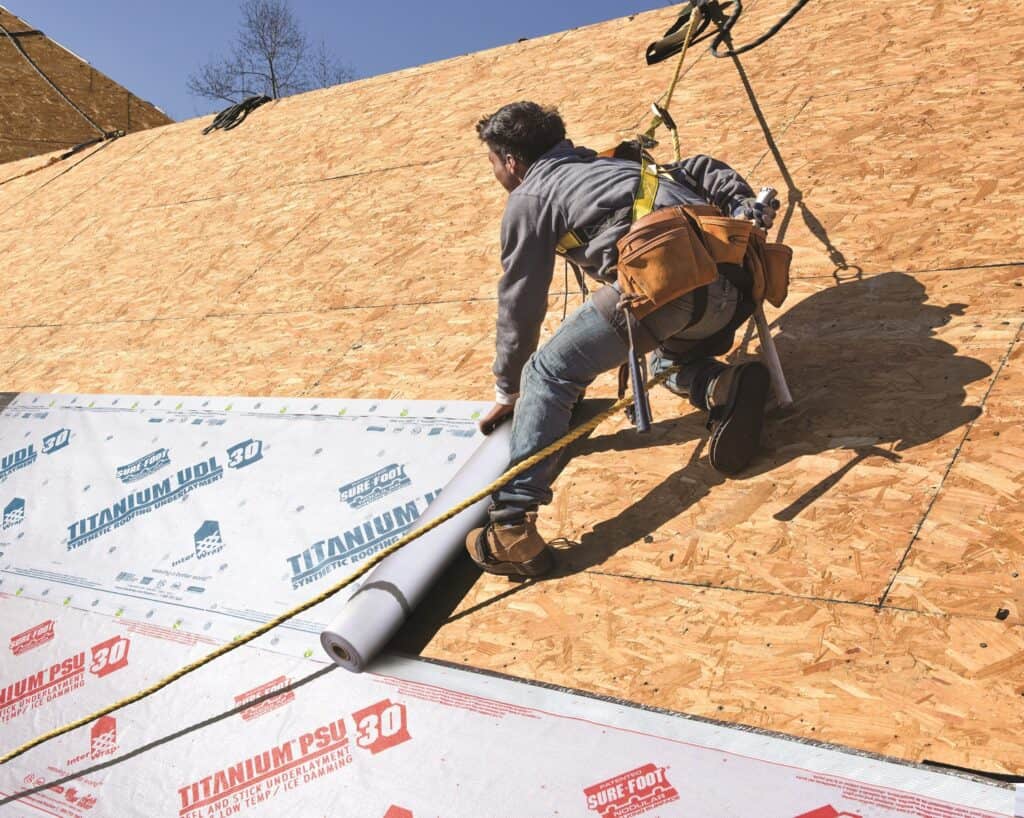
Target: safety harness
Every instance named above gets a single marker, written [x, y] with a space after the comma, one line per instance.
[710, 225]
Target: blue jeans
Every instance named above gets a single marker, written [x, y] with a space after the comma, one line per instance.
[585, 345]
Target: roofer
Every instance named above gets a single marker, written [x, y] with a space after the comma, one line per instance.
[555, 188]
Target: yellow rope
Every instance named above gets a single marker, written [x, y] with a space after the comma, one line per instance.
[572, 436]
[695, 16]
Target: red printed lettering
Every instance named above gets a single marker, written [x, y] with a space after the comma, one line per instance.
[631, 793]
[381, 726]
[109, 656]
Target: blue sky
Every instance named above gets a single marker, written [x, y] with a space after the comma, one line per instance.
[151, 46]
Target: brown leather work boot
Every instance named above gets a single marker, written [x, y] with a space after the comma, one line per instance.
[511, 550]
[736, 399]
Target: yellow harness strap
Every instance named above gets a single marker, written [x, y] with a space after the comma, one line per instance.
[643, 204]
[647, 189]
[570, 241]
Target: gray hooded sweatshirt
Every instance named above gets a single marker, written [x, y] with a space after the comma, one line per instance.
[571, 188]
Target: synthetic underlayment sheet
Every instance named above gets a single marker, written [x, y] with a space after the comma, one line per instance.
[408, 738]
[241, 508]
[207, 516]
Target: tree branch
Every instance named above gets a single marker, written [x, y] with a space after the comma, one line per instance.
[270, 55]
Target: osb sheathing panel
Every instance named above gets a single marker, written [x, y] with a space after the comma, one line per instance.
[897, 204]
[34, 119]
[901, 683]
[22, 178]
[445, 349]
[969, 557]
[65, 191]
[863, 471]
[345, 243]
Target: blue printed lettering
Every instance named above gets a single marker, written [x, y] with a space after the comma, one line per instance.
[358, 542]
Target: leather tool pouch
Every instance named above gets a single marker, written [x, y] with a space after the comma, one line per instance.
[662, 258]
[725, 238]
[768, 263]
[778, 257]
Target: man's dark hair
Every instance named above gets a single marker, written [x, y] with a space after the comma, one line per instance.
[524, 129]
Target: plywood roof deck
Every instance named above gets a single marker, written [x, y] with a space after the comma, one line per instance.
[33, 117]
[862, 584]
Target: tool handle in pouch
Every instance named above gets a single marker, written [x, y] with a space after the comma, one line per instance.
[641, 403]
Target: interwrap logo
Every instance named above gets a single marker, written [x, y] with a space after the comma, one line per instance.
[102, 741]
[144, 466]
[631, 793]
[14, 513]
[371, 488]
[208, 540]
[103, 737]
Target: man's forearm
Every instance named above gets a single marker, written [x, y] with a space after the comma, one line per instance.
[503, 397]
[528, 260]
[724, 186]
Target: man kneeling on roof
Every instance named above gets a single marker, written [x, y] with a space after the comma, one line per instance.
[555, 188]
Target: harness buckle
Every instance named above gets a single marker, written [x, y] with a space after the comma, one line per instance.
[664, 116]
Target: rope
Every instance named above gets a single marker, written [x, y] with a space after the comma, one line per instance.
[235, 115]
[50, 82]
[572, 436]
[695, 17]
[663, 115]
[723, 35]
[716, 11]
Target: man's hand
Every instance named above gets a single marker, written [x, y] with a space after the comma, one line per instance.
[495, 417]
[762, 215]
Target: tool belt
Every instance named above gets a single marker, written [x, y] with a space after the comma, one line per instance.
[670, 252]
[662, 258]
[676, 250]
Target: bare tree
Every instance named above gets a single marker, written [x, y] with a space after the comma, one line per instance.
[326, 70]
[271, 55]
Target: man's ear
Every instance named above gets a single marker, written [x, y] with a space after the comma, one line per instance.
[515, 166]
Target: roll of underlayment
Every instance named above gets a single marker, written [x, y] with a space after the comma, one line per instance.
[386, 597]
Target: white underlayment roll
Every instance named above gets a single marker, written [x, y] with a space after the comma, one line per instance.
[387, 595]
